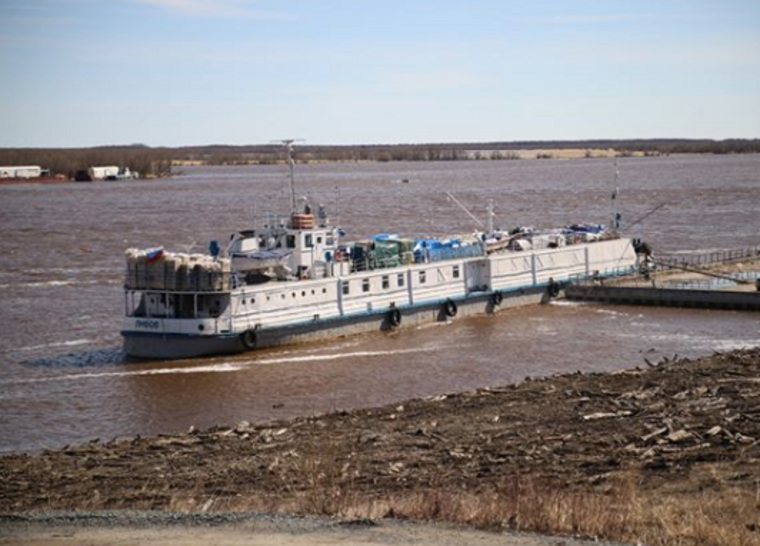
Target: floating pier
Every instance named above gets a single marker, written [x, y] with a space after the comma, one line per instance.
[702, 288]
[665, 297]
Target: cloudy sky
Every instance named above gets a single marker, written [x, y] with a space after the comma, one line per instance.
[186, 72]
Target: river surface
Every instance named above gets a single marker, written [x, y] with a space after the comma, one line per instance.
[63, 377]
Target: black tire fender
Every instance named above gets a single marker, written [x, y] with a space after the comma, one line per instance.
[450, 308]
[553, 288]
[394, 317]
[497, 298]
[249, 339]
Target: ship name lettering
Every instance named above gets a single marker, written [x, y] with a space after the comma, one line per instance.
[149, 324]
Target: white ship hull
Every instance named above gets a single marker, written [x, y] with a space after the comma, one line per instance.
[344, 303]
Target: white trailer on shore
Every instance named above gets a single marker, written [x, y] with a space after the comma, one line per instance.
[102, 173]
[25, 171]
[111, 172]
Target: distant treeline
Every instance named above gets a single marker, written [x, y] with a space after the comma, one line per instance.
[150, 162]
[273, 153]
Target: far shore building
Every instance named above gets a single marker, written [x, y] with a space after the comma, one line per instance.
[110, 173]
[25, 171]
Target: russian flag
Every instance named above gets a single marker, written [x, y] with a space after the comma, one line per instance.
[154, 254]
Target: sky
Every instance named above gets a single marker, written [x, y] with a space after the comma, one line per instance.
[195, 72]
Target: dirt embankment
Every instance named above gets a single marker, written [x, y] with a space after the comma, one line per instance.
[597, 454]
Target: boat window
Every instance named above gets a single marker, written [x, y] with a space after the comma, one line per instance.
[253, 300]
[291, 241]
[324, 290]
[330, 241]
[386, 282]
[319, 240]
[293, 294]
[400, 279]
[308, 241]
[345, 287]
[303, 293]
[243, 301]
[365, 285]
[422, 277]
[455, 271]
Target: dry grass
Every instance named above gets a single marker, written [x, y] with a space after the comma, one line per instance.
[722, 516]
[726, 518]
[321, 482]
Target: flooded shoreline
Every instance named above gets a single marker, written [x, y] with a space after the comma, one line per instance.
[64, 378]
[678, 432]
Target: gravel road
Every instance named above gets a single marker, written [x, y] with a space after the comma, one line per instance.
[127, 528]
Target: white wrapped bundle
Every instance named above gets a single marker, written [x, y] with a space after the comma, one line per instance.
[141, 274]
[155, 270]
[170, 271]
[225, 265]
[131, 278]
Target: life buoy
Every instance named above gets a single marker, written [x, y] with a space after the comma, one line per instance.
[497, 298]
[450, 308]
[394, 317]
[249, 339]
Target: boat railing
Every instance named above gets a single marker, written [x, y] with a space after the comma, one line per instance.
[453, 253]
[612, 274]
[707, 258]
[426, 255]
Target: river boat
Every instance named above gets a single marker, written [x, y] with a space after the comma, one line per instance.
[295, 279]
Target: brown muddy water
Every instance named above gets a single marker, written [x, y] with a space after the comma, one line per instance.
[64, 378]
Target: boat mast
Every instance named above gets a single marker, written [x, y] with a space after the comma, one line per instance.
[291, 165]
[615, 224]
[288, 144]
[337, 205]
[490, 217]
